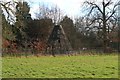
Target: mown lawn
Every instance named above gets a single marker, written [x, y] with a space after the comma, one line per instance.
[82, 66]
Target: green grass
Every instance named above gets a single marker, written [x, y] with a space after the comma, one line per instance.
[94, 66]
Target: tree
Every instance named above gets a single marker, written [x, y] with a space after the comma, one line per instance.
[7, 30]
[8, 37]
[23, 19]
[86, 37]
[40, 29]
[43, 12]
[8, 10]
[56, 14]
[119, 27]
[70, 30]
[105, 14]
[53, 13]
[38, 32]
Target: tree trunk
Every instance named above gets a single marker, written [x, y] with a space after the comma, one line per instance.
[119, 28]
[104, 30]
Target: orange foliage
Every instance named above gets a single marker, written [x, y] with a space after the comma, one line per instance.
[5, 43]
[9, 46]
[39, 45]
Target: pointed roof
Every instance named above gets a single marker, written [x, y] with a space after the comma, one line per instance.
[57, 41]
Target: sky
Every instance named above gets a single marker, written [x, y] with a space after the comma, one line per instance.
[71, 8]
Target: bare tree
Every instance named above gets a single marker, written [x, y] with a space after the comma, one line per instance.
[53, 13]
[43, 12]
[119, 26]
[105, 15]
[8, 10]
[56, 14]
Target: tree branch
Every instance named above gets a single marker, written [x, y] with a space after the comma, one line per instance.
[92, 21]
[95, 6]
[113, 11]
[7, 8]
[91, 10]
[108, 3]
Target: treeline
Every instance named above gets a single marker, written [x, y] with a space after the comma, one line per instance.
[30, 35]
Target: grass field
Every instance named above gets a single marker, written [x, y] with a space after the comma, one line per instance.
[82, 66]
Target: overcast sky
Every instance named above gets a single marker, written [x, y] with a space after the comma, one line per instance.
[70, 7]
